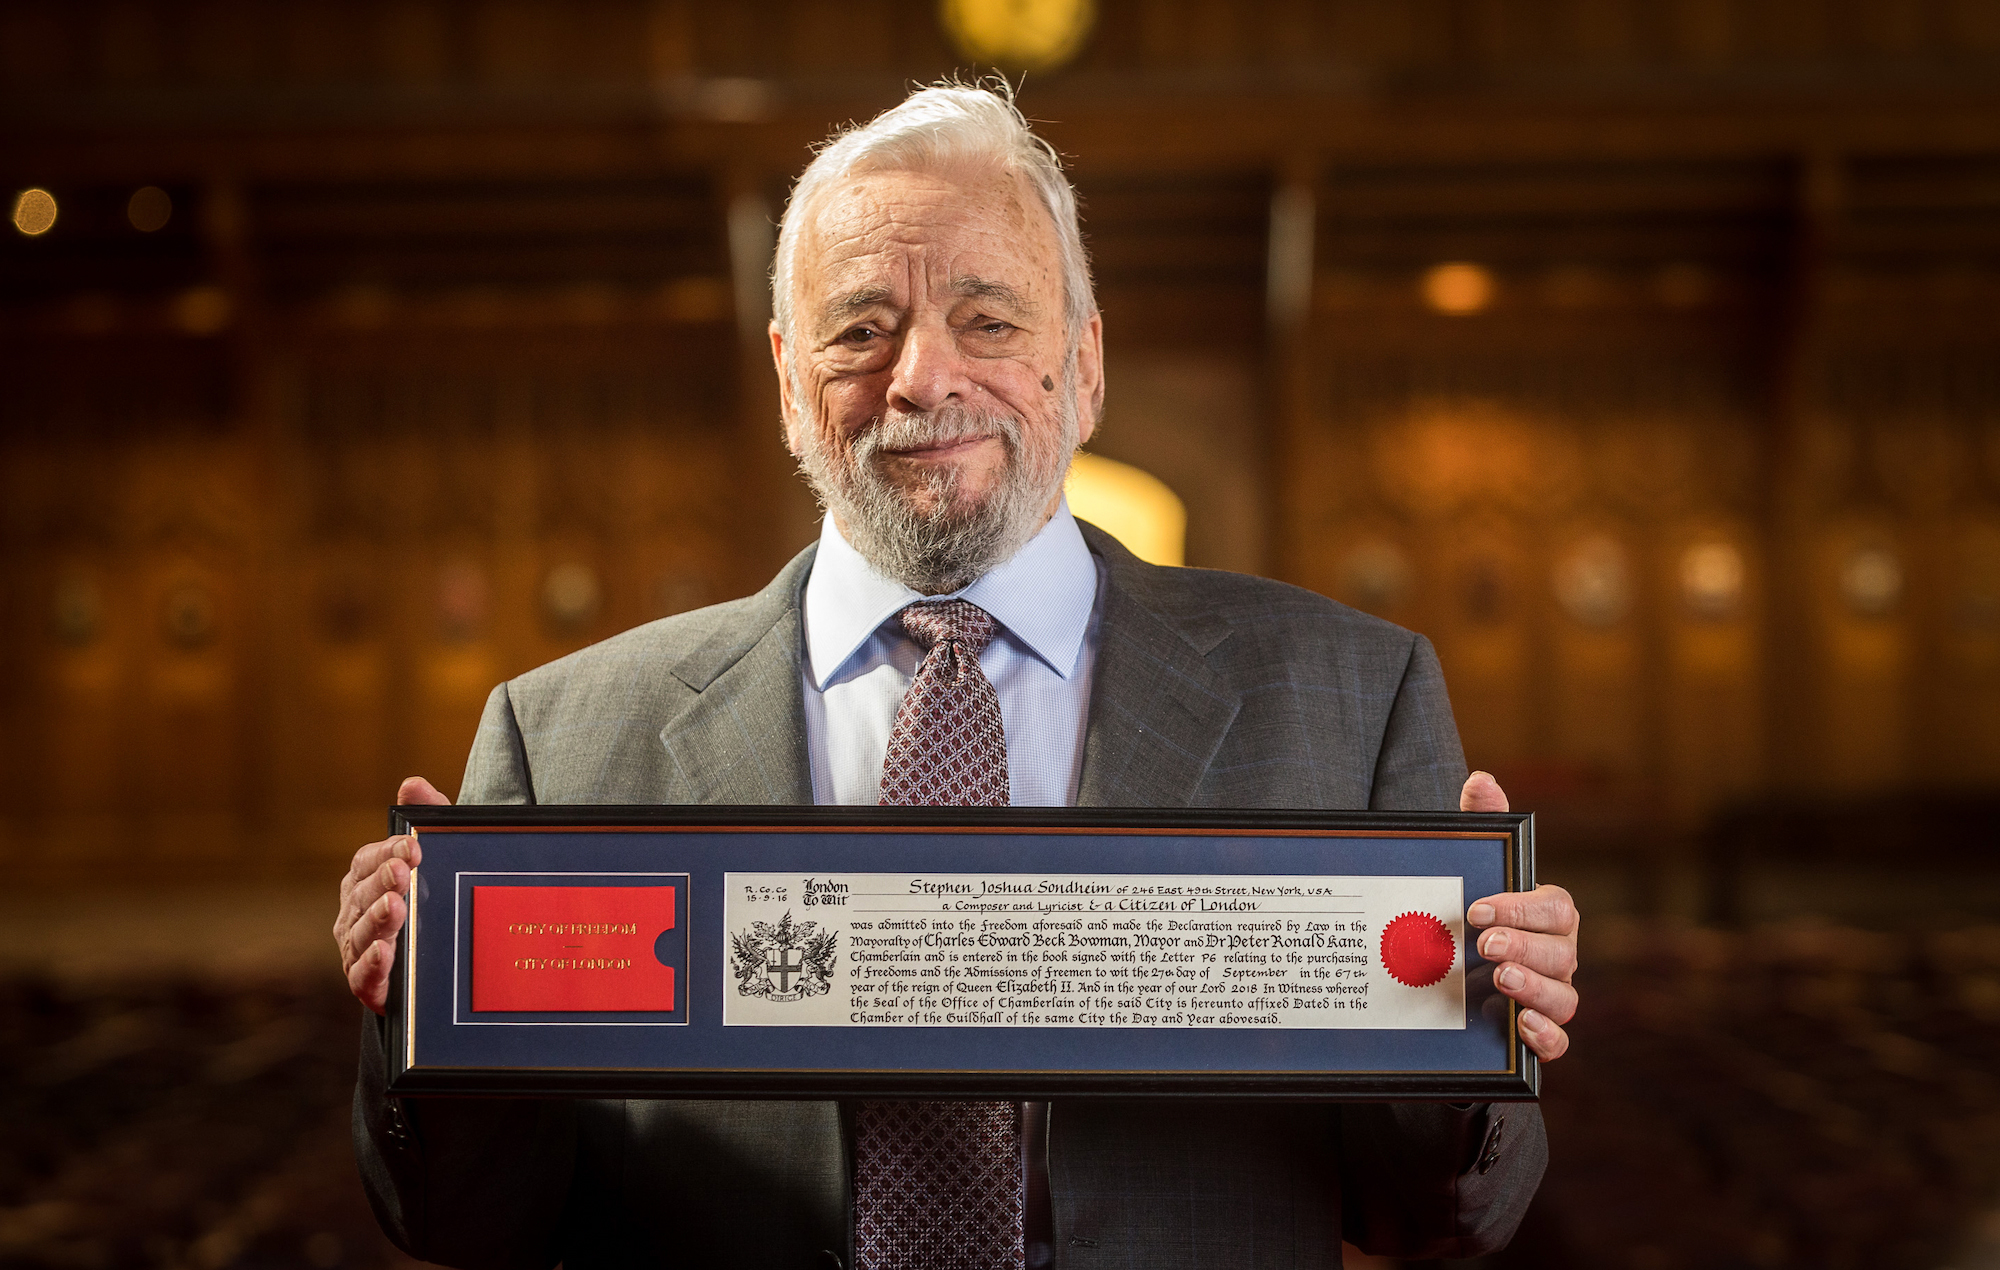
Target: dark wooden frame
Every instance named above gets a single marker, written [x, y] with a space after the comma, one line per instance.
[1521, 1081]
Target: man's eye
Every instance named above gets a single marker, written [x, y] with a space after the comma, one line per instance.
[861, 335]
[993, 326]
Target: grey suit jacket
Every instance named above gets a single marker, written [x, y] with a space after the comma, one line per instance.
[1212, 690]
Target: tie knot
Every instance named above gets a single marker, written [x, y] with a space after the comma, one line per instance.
[949, 621]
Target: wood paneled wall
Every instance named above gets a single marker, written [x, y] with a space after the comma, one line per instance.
[445, 364]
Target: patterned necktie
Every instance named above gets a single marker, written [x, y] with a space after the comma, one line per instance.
[948, 747]
[938, 1185]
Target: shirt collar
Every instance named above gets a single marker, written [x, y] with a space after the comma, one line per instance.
[1042, 596]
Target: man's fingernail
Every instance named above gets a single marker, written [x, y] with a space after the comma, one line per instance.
[1495, 945]
[1480, 915]
[1511, 977]
[1532, 1021]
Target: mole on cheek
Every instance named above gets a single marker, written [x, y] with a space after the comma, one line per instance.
[1048, 385]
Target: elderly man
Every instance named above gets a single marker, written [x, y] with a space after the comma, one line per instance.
[940, 357]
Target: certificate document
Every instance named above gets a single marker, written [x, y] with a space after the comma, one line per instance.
[835, 952]
[1093, 950]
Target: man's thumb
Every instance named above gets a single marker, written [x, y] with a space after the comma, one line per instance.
[416, 791]
[1482, 793]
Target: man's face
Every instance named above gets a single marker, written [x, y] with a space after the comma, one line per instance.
[932, 384]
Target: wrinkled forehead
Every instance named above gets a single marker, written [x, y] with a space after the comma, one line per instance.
[982, 218]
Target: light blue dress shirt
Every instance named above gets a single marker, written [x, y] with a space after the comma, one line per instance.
[1048, 601]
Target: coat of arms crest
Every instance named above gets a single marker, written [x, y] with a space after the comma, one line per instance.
[783, 960]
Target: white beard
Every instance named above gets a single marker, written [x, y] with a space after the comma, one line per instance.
[940, 550]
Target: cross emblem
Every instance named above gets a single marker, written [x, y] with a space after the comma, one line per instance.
[775, 963]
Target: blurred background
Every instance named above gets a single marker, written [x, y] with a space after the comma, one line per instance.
[1643, 353]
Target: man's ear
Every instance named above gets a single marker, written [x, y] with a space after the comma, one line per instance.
[1090, 378]
[788, 409]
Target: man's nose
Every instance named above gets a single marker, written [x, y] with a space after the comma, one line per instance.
[930, 370]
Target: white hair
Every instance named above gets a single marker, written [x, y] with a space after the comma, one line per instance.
[947, 125]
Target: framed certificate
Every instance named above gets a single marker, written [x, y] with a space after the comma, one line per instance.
[814, 952]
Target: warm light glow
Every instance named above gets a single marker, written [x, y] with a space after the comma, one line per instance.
[1594, 582]
[149, 209]
[1132, 506]
[1021, 35]
[1712, 579]
[1458, 287]
[571, 594]
[1459, 454]
[1871, 581]
[1375, 576]
[463, 598]
[202, 310]
[34, 212]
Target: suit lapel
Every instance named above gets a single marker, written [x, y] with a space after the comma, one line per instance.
[1157, 710]
[740, 737]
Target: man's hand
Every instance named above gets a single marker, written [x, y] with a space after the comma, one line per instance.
[372, 905]
[1531, 936]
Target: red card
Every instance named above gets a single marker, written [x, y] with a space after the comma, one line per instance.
[570, 948]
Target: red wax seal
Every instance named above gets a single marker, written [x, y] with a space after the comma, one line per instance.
[1417, 950]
